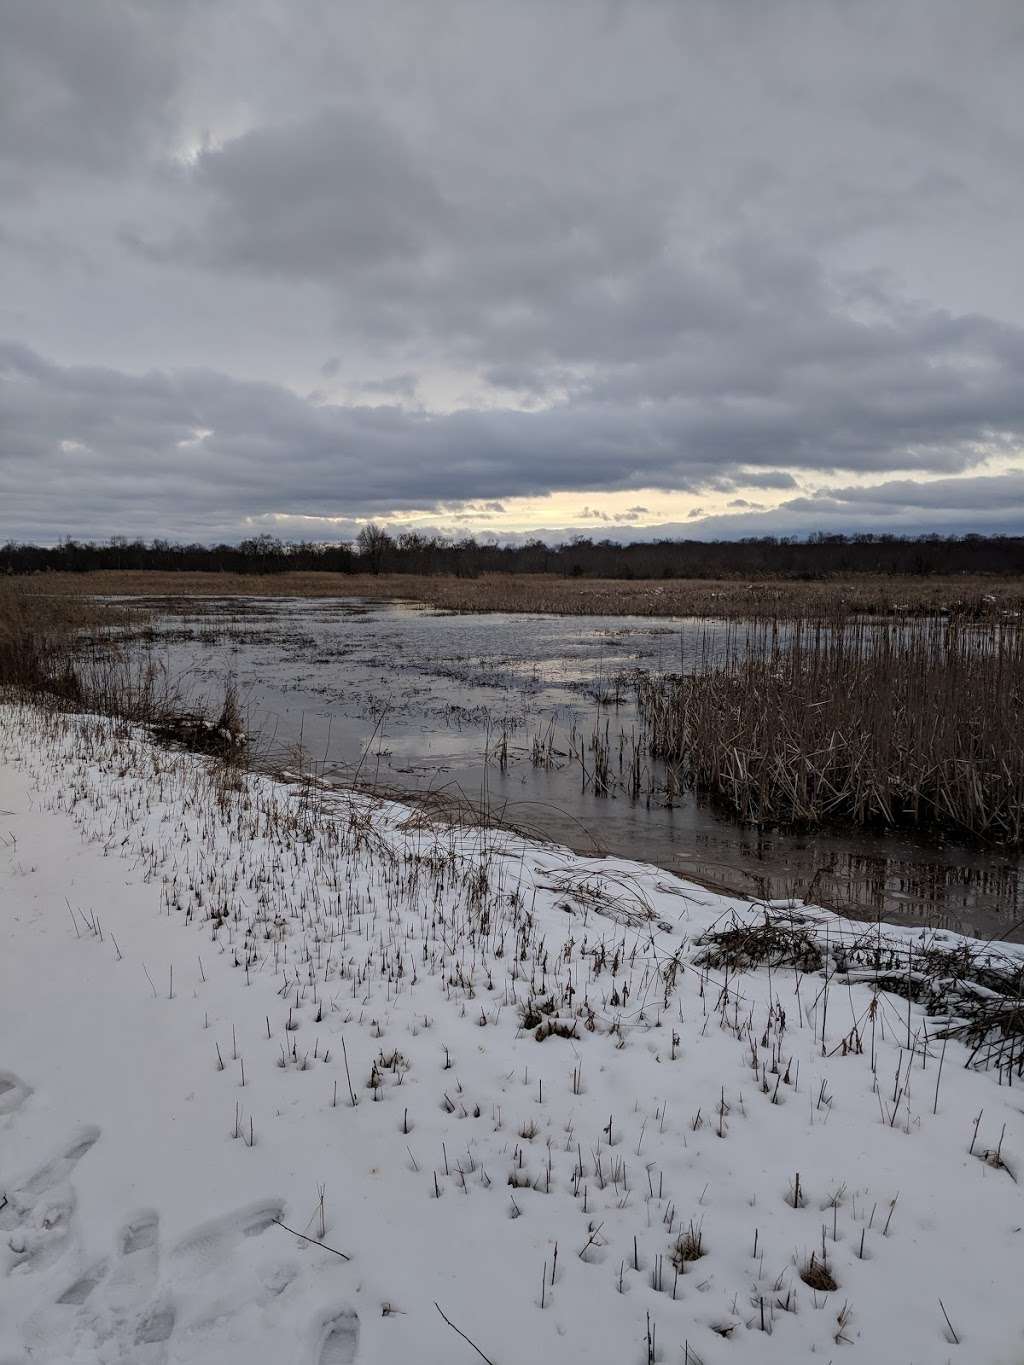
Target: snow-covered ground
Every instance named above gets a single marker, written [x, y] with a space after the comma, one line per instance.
[194, 971]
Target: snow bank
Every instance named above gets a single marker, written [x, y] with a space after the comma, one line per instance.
[576, 1134]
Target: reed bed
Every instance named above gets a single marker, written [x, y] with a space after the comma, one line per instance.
[64, 652]
[37, 636]
[916, 724]
[984, 597]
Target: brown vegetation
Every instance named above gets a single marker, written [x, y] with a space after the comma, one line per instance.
[37, 635]
[873, 594]
[817, 1273]
[918, 724]
[46, 654]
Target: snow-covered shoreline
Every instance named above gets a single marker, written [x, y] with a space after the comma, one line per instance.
[190, 957]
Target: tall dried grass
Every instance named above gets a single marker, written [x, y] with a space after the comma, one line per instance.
[49, 653]
[916, 724]
[37, 638]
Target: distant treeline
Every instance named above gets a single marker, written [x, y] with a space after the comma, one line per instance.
[377, 551]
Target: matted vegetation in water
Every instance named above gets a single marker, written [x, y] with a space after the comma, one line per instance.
[916, 724]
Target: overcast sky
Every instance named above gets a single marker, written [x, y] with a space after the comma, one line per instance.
[717, 266]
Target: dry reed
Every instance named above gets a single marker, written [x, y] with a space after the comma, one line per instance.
[916, 724]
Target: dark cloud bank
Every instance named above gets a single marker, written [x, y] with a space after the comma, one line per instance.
[272, 263]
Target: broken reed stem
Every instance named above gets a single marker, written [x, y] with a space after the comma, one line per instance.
[974, 1135]
[462, 1334]
[938, 1078]
[952, 1331]
[312, 1240]
[348, 1074]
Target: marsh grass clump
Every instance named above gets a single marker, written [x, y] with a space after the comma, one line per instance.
[535, 1011]
[816, 1274]
[223, 738]
[555, 1028]
[229, 723]
[540, 1014]
[688, 1247]
[776, 942]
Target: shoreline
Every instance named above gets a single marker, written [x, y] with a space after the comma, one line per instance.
[860, 871]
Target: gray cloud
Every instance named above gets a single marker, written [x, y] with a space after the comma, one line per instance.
[127, 451]
[1001, 493]
[700, 248]
[339, 191]
[768, 478]
[85, 87]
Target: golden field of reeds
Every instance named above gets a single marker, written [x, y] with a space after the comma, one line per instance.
[874, 594]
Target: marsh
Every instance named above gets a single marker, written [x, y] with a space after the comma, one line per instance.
[499, 711]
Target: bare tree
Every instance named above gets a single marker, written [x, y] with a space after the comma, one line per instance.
[374, 544]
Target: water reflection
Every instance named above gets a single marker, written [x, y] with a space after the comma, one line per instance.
[411, 699]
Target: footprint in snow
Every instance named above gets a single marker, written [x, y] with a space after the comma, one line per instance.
[339, 1339]
[41, 1238]
[13, 1092]
[153, 1333]
[78, 1291]
[37, 1213]
[206, 1246]
[135, 1272]
[23, 1198]
[129, 1308]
